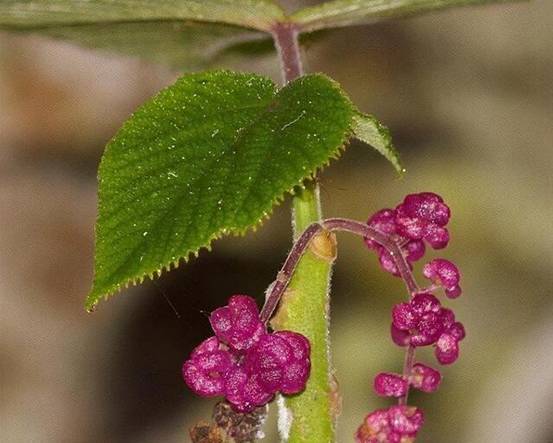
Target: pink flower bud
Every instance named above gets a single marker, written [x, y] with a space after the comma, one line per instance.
[424, 378]
[406, 420]
[421, 318]
[206, 370]
[397, 424]
[390, 385]
[384, 221]
[238, 324]
[297, 368]
[447, 349]
[444, 273]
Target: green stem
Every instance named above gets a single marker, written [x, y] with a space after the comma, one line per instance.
[305, 309]
[306, 208]
[307, 417]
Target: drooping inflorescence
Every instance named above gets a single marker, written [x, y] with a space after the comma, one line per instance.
[244, 362]
[422, 320]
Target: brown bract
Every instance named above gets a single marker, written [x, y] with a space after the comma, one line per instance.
[204, 432]
[323, 246]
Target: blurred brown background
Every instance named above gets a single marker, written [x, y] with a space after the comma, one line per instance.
[468, 96]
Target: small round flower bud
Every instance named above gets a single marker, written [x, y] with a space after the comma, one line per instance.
[206, 370]
[415, 250]
[244, 390]
[397, 424]
[282, 362]
[457, 330]
[404, 317]
[424, 302]
[406, 420]
[238, 323]
[400, 337]
[447, 317]
[444, 273]
[297, 368]
[268, 359]
[383, 221]
[390, 385]
[437, 237]
[375, 428]
[428, 330]
[387, 262]
[425, 378]
[447, 349]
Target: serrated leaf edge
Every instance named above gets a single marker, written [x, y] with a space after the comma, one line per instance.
[92, 301]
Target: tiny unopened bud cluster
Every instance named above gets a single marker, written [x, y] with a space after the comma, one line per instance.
[244, 362]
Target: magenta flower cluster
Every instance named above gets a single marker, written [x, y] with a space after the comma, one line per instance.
[244, 362]
[422, 321]
[421, 217]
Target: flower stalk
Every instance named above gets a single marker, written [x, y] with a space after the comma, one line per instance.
[285, 275]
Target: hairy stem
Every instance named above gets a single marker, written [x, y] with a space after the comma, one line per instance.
[283, 278]
[285, 36]
[306, 417]
[305, 309]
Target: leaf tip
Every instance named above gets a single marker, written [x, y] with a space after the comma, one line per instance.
[369, 130]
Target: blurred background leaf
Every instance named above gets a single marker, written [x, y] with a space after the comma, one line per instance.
[193, 34]
[33, 14]
[339, 13]
[189, 34]
[186, 46]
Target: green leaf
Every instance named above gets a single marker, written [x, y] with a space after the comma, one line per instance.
[208, 156]
[256, 14]
[338, 13]
[369, 130]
